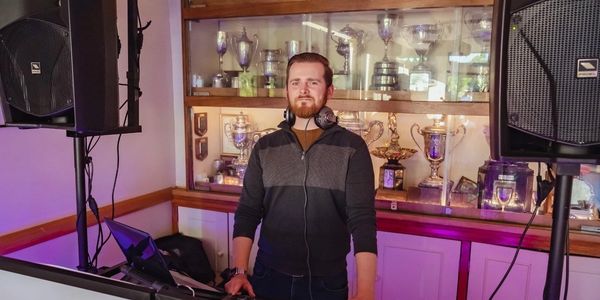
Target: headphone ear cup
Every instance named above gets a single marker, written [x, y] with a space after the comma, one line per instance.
[325, 118]
[289, 116]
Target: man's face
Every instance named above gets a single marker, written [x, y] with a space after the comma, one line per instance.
[307, 91]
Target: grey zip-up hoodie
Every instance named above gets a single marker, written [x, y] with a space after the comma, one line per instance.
[317, 197]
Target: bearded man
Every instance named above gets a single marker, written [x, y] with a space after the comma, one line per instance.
[311, 185]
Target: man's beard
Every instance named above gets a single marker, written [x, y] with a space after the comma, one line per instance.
[306, 111]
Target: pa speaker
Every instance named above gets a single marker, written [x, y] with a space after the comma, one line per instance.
[545, 90]
[58, 64]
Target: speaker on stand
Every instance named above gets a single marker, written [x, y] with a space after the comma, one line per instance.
[545, 97]
[58, 69]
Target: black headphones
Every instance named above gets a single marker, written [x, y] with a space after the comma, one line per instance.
[324, 119]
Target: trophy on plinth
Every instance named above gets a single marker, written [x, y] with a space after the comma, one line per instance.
[421, 37]
[351, 121]
[244, 50]
[385, 73]
[240, 134]
[479, 23]
[221, 79]
[434, 138]
[391, 174]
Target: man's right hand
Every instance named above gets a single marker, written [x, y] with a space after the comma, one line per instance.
[238, 283]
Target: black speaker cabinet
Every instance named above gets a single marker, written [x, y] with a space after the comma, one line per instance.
[545, 86]
[58, 64]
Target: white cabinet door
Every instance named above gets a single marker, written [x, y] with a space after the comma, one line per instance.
[489, 263]
[414, 267]
[210, 227]
[584, 278]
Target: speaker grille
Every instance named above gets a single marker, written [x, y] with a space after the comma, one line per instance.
[35, 66]
[546, 41]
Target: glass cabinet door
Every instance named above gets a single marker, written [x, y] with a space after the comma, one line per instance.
[437, 54]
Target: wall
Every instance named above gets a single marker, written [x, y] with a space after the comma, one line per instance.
[37, 176]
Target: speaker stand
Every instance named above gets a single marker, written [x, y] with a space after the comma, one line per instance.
[560, 217]
[79, 144]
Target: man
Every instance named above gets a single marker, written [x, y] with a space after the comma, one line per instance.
[312, 188]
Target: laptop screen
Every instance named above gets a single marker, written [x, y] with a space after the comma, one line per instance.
[141, 251]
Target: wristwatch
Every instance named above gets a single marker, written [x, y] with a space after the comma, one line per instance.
[238, 271]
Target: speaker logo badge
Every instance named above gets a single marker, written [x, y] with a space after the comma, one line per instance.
[36, 68]
[587, 68]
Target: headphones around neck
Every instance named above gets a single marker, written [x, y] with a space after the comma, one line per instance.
[324, 119]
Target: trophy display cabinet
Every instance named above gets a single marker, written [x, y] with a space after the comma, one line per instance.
[410, 77]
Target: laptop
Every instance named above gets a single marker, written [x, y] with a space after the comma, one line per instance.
[143, 255]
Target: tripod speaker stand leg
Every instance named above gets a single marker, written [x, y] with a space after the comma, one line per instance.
[560, 217]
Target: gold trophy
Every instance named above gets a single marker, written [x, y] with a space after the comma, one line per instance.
[434, 138]
[391, 174]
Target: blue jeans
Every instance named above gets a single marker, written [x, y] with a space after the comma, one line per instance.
[269, 284]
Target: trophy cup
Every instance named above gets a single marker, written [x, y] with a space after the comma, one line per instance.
[245, 49]
[479, 23]
[239, 133]
[434, 138]
[271, 67]
[391, 174]
[221, 79]
[349, 44]
[292, 47]
[421, 37]
[351, 121]
[385, 74]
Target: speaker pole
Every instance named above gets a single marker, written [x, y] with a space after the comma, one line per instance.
[560, 217]
[81, 226]
[133, 71]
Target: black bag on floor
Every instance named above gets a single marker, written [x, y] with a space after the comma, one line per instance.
[186, 255]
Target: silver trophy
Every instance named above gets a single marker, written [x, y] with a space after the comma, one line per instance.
[349, 44]
[351, 121]
[240, 134]
[271, 66]
[421, 37]
[293, 47]
[244, 49]
[385, 73]
[221, 79]
[479, 23]
[243, 137]
[434, 138]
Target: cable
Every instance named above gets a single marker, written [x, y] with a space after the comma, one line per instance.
[543, 189]
[512, 263]
[305, 217]
[104, 241]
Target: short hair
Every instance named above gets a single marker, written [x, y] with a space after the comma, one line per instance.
[312, 57]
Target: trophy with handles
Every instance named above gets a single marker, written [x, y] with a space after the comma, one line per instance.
[244, 50]
[434, 148]
[369, 132]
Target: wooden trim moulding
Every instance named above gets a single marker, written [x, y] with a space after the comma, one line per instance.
[211, 10]
[28, 237]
